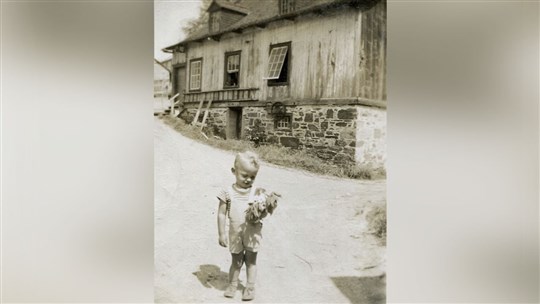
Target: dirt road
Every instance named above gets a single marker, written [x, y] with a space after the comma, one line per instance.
[315, 247]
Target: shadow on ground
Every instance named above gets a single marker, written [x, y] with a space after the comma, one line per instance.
[211, 276]
[362, 289]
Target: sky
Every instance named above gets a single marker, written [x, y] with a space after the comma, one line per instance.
[169, 18]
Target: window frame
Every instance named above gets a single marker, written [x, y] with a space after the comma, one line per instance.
[191, 61]
[278, 119]
[226, 68]
[288, 57]
[288, 4]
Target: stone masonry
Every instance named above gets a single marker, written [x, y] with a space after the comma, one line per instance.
[216, 120]
[326, 131]
[338, 134]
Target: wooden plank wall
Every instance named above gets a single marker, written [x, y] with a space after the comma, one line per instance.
[373, 52]
[228, 18]
[178, 58]
[325, 56]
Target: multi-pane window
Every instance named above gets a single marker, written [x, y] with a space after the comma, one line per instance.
[286, 6]
[232, 69]
[278, 64]
[283, 122]
[195, 72]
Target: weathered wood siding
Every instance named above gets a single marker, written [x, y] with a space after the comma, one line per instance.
[178, 58]
[326, 56]
[373, 52]
[229, 18]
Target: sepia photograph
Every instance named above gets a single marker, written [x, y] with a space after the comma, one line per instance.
[270, 151]
[243, 151]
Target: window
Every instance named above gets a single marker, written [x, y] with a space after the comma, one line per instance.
[195, 73]
[278, 64]
[232, 70]
[286, 6]
[283, 122]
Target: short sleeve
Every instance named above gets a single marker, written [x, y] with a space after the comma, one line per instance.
[223, 196]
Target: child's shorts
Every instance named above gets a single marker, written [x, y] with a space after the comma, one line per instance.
[246, 237]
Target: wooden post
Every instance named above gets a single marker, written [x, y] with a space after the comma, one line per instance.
[196, 119]
[206, 113]
[172, 103]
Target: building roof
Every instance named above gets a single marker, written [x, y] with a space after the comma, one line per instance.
[230, 5]
[262, 12]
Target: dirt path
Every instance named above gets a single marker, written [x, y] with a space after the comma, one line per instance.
[315, 247]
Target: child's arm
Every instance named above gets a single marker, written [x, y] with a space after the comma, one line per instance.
[221, 218]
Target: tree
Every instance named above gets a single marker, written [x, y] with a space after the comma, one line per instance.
[196, 24]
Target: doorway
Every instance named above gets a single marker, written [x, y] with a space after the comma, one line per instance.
[234, 123]
[179, 81]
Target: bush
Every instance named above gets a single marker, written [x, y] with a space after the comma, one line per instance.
[256, 133]
[376, 219]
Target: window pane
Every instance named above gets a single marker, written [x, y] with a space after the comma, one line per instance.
[195, 77]
[275, 63]
[233, 63]
[284, 122]
[286, 6]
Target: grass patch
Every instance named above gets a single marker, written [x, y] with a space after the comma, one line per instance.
[376, 219]
[278, 155]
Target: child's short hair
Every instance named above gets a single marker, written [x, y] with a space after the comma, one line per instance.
[248, 157]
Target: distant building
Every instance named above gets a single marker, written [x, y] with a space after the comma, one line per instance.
[162, 83]
[308, 74]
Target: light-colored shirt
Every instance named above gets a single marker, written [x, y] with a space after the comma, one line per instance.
[240, 199]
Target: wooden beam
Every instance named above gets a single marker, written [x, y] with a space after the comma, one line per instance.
[196, 119]
[161, 64]
[353, 101]
[206, 113]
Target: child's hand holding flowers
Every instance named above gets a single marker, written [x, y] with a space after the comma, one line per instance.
[262, 205]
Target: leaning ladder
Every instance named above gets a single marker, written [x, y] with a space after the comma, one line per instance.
[196, 119]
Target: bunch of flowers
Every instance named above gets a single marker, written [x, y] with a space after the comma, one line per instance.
[263, 203]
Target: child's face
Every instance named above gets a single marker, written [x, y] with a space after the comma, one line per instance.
[245, 175]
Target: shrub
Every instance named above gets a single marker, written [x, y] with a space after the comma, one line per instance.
[256, 133]
[376, 219]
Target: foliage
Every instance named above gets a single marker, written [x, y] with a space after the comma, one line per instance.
[262, 205]
[198, 23]
[376, 219]
[256, 133]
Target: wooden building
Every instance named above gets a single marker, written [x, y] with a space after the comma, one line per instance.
[308, 74]
[162, 75]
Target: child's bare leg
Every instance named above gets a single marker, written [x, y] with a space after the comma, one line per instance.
[251, 268]
[236, 266]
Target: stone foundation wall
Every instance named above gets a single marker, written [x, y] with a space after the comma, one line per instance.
[326, 131]
[216, 120]
[371, 137]
[338, 134]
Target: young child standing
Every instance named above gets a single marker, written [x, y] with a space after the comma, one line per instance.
[244, 237]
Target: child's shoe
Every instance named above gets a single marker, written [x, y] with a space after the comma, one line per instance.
[230, 291]
[248, 294]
